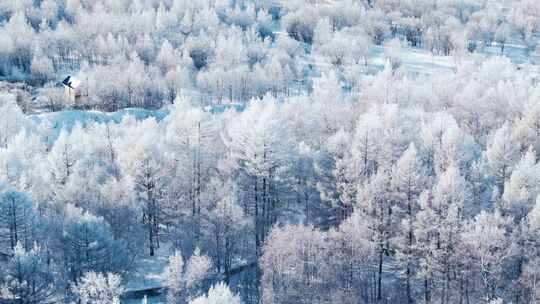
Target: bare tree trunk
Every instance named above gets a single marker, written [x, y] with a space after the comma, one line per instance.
[427, 290]
[379, 277]
[14, 237]
[256, 219]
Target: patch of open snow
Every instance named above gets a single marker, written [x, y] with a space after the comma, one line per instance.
[147, 275]
[414, 60]
[66, 120]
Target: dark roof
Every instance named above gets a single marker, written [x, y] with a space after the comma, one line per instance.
[67, 82]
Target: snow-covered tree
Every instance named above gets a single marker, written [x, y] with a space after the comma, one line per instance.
[338, 187]
[227, 221]
[392, 53]
[191, 136]
[41, 68]
[13, 120]
[437, 229]
[501, 154]
[293, 268]
[377, 207]
[172, 277]
[409, 180]
[257, 148]
[521, 190]
[28, 276]
[18, 220]
[218, 294]
[183, 279]
[86, 244]
[98, 288]
[486, 241]
[352, 254]
[62, 157]
[139, 157]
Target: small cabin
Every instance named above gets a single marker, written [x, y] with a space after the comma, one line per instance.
[72, 89]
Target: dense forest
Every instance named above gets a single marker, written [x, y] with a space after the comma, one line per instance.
[269, 152]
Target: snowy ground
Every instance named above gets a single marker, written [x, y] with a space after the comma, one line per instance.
[68, 118]
[146, 276]
[151, 300]
[414, 60]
